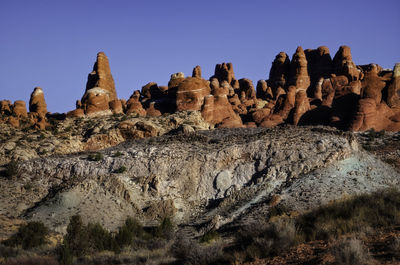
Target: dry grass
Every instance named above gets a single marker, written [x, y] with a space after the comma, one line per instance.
[352, 252]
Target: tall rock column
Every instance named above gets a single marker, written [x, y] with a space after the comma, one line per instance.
[298, 70]
[100, 88]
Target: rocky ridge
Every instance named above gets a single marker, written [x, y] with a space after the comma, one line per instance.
[311, 88]
[197, 178]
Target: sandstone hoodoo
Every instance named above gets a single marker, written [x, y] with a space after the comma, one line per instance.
[37, 103]
[100, 91]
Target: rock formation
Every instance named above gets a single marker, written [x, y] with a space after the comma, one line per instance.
[308, 89]
[37, 103]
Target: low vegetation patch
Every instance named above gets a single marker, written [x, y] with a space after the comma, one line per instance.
[95, 157]
[377, 210]
[120, 170]
[30, 235]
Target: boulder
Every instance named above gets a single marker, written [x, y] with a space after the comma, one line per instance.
[196, 72]
[372, 84]
[263, 90]
[190, 94]
[133, 105]
[223, 72]
[302, 105]
[5, 107]
[152, 91]
[393, 97]
[77, 113]
[319, 63]
[116, 106]
[37, 102]
[279, 73]
[19, 109]
[152, 111]
[96, 102]
[343, 64]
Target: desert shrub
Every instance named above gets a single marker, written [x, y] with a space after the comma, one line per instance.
[99, 238]
[7, 252]
[261, 240]
[31, 261]
[379, 209]
[131, 229]
[77, 236]
[64, 254]
[95, 157]
[189, 252]
[117, 154]
[120, 170]
[30, 235]
[165, 229]
[351, 252]
[11, 169]
[210, 236]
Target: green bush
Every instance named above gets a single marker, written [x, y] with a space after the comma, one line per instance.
[379, 209]
[30, 235]
[117, 154]
[64, 254]
[165, 229]
[120, 170]
[99, 238]
[209, 236]
[95, 157]
[77, 236]
[131, 229]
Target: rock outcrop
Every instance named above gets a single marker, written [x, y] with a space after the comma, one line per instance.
[308, 89]
[37, 103]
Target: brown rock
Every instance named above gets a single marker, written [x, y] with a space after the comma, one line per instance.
[343, 64]
[298, 70]
[372, 84]
[152, 111]
[13, 121]
[96, 102]
[190, 94]
[279, 73]
[37, 102]
[197, 72]
[302, 105]
[152, 91]
[365, 117]
[77, 113]
[263, 90]
[100, 88]
[137, 130]
[101, 77]
[328, 93]
[133, 105]
[217, 110]
[393, 98]
[116, 106]
[5, 107]
[19, 109]
[260, 114]
[223, 72]
[319, 63]
[246, 87]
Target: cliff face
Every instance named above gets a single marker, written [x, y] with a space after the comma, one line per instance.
[195, 178]
[310, 88]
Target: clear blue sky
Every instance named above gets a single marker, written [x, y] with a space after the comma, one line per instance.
[53, 44]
